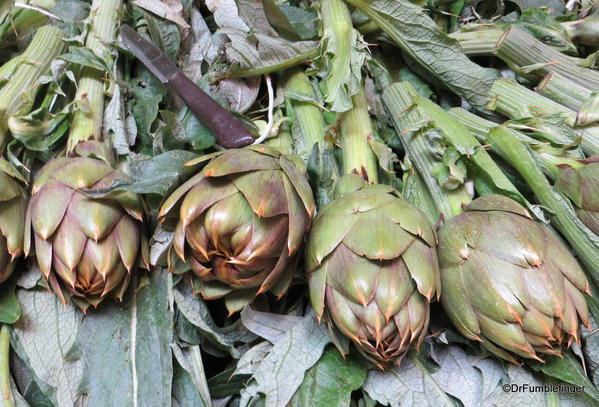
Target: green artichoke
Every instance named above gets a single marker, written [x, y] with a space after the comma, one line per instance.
[508, 282]
[13, 204]
[86, 247]
[240, 223]
[581, 185]
[372, 265]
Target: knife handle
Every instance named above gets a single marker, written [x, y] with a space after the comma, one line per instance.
[228, 131]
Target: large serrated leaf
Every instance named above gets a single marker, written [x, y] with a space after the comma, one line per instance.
[45, 335]
[281, 372]
[419, 37]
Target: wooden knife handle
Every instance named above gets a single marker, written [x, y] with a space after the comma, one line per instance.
[228, 131]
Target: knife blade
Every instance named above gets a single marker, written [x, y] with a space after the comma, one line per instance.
[228, 131]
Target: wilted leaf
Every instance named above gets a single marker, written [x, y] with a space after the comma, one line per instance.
[239, 94]
[226, 14]
[253, 53]
[415, 382]
[45, 334]
[171, 10]
[196, 312]
[190, 359]
[282, 371]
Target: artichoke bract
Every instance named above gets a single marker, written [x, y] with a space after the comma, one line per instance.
[86, 247]
[240, 222]
[372, 267]
[508, 282]
[581, 185]
[13, 204]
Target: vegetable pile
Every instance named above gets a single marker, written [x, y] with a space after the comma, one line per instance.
[299, 203]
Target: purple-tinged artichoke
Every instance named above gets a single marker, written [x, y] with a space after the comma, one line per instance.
[240, 223]
[372, 269]
[86, 247]
[581, 185]
[508, 282]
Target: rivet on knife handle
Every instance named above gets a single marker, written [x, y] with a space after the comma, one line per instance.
[228, 131]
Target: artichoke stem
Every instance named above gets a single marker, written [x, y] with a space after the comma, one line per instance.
[356, 131]
[412, 116]
[518, 102]
[308, 116]
[87, 120]
[338, 32]
[7, 396]
[521, 50]
[479, 40]
[563, 91]
[25, 70]
[550, 158]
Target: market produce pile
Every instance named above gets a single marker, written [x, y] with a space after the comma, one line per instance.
[299, 203]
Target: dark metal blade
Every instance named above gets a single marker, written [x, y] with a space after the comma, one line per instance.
[149, 54]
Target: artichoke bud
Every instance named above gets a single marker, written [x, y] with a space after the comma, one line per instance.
[508, 282]
[239, 223]
[87, 241]
[13, 205]
[372, 269]
[580, 185]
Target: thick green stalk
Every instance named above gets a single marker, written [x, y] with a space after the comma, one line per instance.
[87, 121]
[356, 132]
[411, 123]
[550, 158]
[518, 102]
[402, 101]
[338, 34]
[528, 55]
[23, 85]
[478, 41]
[563, 91]
[417, 193]
[20, 21]
[299, 90]
[584, 242]
[283, 142]
[7, 396]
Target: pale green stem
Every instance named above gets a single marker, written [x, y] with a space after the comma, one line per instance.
[356, 133]
[87, 121]
[7, 396]
[308, 116]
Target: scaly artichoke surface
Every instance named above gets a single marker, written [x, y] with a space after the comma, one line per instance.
[13, 204]
[86, 247]
[581, 185]
[508, 282]
[372, 268]
[240, 222]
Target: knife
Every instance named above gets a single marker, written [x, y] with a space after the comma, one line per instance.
[228, 131]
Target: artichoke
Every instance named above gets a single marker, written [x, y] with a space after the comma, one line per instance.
[13, 204]
[240, 223]
[86, 247]
[372, 264]
[508, 282]
[581, 185]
